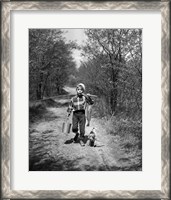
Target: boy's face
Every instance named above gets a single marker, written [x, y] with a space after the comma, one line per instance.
[79, 91]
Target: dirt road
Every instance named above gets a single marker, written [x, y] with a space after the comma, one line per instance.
[52, 150]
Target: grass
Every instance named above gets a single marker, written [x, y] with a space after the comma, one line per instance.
[116, 125]
[129, 131]
[36, 111]
[129, 135]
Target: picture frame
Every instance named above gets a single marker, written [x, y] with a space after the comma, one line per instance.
[6, 8]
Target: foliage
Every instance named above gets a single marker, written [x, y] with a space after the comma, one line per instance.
[50, 62]
[127, 133]
[113, 68]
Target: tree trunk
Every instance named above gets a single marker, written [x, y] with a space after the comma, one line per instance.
[113, 97]
[114, 90]
[45, 85]
[38, 91]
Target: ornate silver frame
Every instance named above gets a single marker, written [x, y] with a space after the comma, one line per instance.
[7, 6]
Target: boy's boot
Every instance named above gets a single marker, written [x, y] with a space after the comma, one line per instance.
[81, 141]
[76, 137]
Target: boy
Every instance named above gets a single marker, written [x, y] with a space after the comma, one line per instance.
[78, 105]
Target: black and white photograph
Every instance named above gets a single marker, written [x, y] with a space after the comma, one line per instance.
[85, 99]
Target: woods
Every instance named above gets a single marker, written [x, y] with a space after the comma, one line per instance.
[50, 62]
[113, 69]
[110, 67]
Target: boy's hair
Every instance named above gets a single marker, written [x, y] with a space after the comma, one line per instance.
[82, 86]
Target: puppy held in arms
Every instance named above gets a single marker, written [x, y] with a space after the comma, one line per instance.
[92, 138]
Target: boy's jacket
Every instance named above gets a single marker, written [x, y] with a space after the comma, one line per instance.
[79, 103]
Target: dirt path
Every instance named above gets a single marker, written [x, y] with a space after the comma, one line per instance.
[52, 150]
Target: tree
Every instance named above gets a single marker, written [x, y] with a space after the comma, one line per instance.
[114, 56]
[50, 61]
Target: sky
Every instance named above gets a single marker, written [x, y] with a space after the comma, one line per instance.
[78, 36]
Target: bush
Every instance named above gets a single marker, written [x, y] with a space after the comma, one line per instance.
[101, 108]
[36, 111]
[129, 138]
[123, 127]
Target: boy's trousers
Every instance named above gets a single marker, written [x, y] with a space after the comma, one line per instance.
[78, 119]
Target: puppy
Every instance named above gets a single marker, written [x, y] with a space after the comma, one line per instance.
[92, 138]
